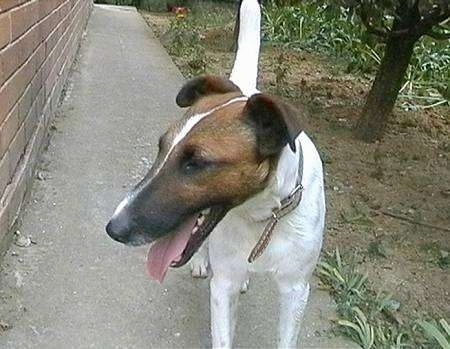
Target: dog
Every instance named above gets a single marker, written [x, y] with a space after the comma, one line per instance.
[237, 187]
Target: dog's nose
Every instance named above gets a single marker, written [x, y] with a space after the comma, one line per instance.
[118, 229]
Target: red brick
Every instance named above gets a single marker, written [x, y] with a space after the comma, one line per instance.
[65, 22]
[47, 6]
[19, 187]
[8, 130]
[8, 4]
[49, 24]
[47, 66]
[4, 95]
[62, 17]
[30, 95]
[25, 103]
[65, 9]
[16, 54]
[13, 89]
[16, 150]
[30, 123]
[5, 30]
[40, 102]
[38, 40]
[52, 66]
[4, 173]
[52, 40]
[36, 85]
[4, 229]
[23, 17]
[39, 57]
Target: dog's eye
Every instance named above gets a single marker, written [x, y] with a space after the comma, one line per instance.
[192, 165]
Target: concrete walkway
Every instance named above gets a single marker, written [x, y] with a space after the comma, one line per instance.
[75, 287]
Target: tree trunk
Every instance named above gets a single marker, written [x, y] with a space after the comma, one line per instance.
[385, 89]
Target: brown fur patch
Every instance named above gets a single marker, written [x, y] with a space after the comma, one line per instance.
[208, 103]
[203, 86]
[225, 141]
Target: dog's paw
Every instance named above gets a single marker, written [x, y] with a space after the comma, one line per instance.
[244, 286]
[199, 268]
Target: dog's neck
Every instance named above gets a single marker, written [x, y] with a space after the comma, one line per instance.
[245, 69]
[244, 75]
[280, 185]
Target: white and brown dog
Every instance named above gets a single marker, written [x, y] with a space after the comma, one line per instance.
[238, 179]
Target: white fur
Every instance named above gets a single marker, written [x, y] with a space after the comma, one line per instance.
[292, 254]
[121, 206]
[245, 70]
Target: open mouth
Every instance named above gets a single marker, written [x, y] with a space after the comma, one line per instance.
[177, 248]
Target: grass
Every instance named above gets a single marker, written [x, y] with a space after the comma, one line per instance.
[186, 43]
[186, 35]
[307, 26]
[369, 318]
[339, 33]
[282, 71]
[439, 331]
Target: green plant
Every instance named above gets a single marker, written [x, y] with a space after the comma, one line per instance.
[185, 38]
[338, 32]
[185, 42]
[281, 70]
[438, 332]
[322, 28]
[428, 76]
[362, 328]
[345, 281]
[370, 318]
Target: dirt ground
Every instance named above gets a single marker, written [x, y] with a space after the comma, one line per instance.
[407, 174]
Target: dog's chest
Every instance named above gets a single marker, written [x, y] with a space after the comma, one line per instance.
[234, 238]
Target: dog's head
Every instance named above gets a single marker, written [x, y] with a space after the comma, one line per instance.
[221, 153]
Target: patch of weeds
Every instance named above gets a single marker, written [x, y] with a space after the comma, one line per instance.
[185, 43]
[443, 259]
[282, 71]
[358, 214]
[187, 37]
[377, 249]
[372, 319]
[338, 32]
[325, 156]
[378, 156]
[436, 255]
[406, 120]
[437, 331]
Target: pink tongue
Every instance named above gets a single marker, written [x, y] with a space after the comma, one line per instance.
[168, 249]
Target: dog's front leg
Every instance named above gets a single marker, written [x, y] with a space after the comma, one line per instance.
[293, 299]
[224, 301]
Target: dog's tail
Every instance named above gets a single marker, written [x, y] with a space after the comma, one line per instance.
[248, 33]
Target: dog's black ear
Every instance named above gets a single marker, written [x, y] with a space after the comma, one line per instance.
[203, 86]
[275, 123]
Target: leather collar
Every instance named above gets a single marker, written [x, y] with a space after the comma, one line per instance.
[287, 205]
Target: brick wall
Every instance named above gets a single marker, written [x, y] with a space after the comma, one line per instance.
[38, 43]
